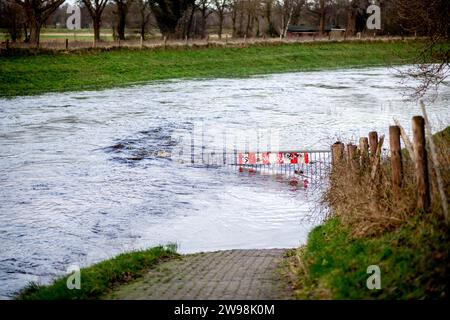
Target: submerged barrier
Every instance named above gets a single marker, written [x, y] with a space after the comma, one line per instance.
[313, 165]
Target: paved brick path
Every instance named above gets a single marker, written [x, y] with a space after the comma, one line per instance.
[232, 274]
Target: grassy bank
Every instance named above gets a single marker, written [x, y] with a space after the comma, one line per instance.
[88, 70]
[412, 252]
[99, 279]
[413, 260]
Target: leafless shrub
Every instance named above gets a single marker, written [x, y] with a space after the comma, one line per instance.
[431, 20]
[369, 207]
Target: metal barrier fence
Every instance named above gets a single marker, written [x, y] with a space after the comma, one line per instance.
[313, 165]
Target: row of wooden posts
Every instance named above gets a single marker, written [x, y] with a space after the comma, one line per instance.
[186, 40]
[367, 156]
[141, 42]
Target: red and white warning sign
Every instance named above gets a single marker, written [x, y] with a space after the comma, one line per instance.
[273, 158]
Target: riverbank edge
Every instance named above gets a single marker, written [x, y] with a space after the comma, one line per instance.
[120, 67]
[100, 278]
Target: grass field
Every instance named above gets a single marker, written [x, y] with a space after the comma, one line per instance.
[90, 69]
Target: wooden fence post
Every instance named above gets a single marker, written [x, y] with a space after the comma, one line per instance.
[421, 164]
[373, 144]
[7, 44]
[364, 150]
[435, 162]
[376, 161]
[67, 44]
[396, 160]
[337, 153]
[352, 153]
[406, 141]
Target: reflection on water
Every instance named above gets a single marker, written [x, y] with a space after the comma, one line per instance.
[81, 180]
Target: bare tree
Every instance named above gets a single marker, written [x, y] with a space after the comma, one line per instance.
[188, 20]
[251, 7]
[268, 6]
[321, 9]
[352, 8]
[220, 6]
[122, 7]
[169, 14]
[144, 16]
[430, 19]
[95, 9]
[286, 10]
[204, 6]
[37, 12]
[12, 17]
[235, 7]
[356, 11]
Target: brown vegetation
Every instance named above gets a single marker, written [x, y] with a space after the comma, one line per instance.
[366, 202]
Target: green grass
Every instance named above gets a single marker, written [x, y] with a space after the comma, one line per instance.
[99, 279]
[414, 262]
[90, 70]
[443, 135]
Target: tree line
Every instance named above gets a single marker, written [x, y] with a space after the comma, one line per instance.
[24, 19]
